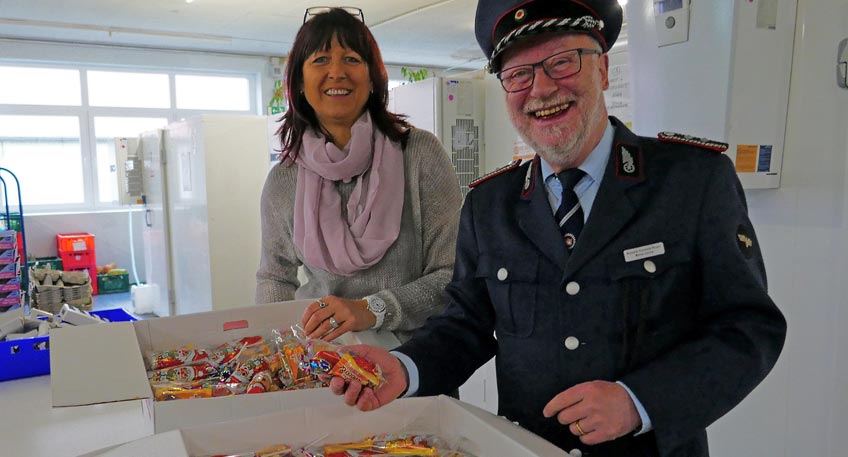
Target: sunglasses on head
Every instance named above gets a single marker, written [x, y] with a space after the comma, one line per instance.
[316, 10]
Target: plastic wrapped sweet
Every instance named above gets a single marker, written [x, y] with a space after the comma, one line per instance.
[407, 444]
[187, 355]
[348, 367]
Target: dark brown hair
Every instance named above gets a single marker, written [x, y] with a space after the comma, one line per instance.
[317, 34]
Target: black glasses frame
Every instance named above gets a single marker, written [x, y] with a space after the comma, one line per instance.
[541, 63]
[316, 10]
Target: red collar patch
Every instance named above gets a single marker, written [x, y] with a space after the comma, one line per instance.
[501, 170]
[628, 161]
[712, 145]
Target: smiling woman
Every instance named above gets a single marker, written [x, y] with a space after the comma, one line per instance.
[366, 204]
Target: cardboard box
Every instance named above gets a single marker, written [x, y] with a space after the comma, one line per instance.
[12, 270]
[103, 363]
[479, 432]
[10, 285]
[8, 256]
[8, 239]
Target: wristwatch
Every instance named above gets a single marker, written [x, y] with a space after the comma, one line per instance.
[378, 307]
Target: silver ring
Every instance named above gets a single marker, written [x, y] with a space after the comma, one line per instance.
[321, 304]
[333, 323]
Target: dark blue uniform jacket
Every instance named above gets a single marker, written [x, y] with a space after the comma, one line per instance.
[691, 331]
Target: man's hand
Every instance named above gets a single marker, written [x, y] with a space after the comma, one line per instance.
[367, 398]
[596, 411]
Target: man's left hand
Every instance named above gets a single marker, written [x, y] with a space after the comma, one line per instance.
[595, 411]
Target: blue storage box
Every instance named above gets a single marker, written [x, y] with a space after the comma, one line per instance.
[23, 358]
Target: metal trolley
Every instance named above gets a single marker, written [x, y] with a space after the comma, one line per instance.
[11, 220]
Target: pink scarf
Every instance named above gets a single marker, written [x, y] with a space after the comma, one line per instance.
[324, 238]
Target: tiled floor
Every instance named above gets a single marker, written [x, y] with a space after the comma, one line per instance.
[122, 300]
[109, 301]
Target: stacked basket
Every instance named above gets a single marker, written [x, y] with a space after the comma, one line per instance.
[53, 288]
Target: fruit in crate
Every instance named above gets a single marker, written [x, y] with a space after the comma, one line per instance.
[102, 270]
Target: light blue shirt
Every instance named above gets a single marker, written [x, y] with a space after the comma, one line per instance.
[586, 190]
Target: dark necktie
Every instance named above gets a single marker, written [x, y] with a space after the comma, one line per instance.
[569, 215]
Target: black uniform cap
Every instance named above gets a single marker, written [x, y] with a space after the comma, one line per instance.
[500, 23]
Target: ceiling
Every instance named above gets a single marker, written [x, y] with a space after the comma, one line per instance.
[433, 33]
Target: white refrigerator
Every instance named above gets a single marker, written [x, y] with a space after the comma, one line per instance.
[203, 180]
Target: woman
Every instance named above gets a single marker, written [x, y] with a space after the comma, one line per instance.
[368, 205]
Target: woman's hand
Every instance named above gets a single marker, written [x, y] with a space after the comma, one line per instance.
[331, 317]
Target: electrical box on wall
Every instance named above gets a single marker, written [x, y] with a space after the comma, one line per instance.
[128, 160]
[671, 18]
[729, 82]
[454, 110]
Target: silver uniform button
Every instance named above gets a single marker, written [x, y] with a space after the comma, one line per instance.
[572, 343]
[572, 288]
[502, 274]
[575, 453]
[650, 266]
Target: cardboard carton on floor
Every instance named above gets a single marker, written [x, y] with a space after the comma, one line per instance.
[104, 363]
[478, 432]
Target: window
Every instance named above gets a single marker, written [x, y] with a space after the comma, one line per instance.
[136, 90]
[209, 92]
[58, 124]
[39, 86]
[44, 153]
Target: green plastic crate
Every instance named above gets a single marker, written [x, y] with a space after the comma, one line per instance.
[113, 284]
[41, 263]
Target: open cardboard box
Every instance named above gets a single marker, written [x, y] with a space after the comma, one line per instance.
[477, 431]
[104, 363]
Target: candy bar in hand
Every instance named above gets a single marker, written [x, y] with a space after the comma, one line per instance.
[348, 367]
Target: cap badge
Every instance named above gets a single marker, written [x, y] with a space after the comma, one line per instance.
[520, 14]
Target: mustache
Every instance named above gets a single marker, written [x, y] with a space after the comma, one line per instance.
[539, 104]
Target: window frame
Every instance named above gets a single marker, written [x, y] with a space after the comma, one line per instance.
[86, 113]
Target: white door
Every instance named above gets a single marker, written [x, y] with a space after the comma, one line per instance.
[155, 228]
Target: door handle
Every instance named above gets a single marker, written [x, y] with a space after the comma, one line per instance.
[842, 65]
[147, 218]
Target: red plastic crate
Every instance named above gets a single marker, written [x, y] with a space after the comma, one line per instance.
[21, 248]
[78, 241]
[78, 259]
[92, 273]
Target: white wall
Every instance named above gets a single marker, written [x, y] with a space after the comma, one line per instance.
[111, 236]
[802, 407]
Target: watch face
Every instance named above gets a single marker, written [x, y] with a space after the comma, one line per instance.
[376, 306]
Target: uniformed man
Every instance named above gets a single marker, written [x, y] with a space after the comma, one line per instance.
[620, 274]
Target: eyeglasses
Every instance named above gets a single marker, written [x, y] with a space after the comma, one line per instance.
[316, 10]
[558, 66]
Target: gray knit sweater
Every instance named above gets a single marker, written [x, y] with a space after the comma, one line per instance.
[415, 269]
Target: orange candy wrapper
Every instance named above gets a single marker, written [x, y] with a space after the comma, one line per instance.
[348, 367]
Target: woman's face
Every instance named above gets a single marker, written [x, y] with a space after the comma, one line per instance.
[336, 85]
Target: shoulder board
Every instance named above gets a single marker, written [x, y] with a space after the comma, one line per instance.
[671, 137]
[501, 170]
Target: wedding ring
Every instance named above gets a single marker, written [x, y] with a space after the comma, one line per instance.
[333, 323]
[580, 431]
[321, 304]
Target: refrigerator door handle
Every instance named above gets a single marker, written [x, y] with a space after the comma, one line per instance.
[147, 218]
[842, 65]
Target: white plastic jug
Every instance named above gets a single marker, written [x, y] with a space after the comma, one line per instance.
[144, 297]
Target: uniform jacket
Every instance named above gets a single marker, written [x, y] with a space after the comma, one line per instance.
[685, 322]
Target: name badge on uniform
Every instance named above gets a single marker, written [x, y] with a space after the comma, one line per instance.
[643, 252]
